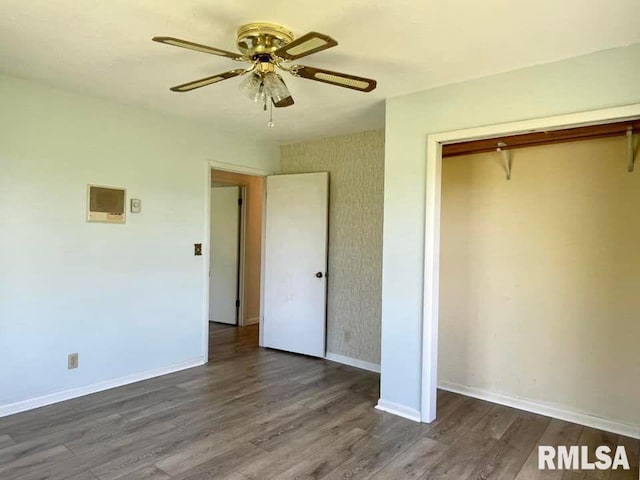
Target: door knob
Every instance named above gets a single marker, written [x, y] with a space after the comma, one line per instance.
[319, 275]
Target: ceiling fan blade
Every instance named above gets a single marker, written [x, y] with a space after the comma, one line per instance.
[334, 78]
[203, 82]
[176, 42]
[307, 44]
[285, 102]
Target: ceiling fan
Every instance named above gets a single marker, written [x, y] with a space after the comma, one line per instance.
[269, 48]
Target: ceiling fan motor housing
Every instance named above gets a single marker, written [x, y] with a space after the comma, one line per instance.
[262, 39]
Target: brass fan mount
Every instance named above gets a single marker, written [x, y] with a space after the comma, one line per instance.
[262, 38]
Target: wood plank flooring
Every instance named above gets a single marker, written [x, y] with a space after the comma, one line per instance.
[256, 414]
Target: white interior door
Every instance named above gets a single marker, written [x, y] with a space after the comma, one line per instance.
[295, 263]
[223, 271]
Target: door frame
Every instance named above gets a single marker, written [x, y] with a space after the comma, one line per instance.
[235, 168]
[431, 284]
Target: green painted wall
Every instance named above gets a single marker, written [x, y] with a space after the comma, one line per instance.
[599, 80]
[128, 298]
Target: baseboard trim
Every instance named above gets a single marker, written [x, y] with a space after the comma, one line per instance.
[251, 321]
[628, 430]
[44, 400]
[399, 410]
[353, 362]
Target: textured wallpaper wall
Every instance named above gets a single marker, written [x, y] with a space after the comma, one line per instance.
[356, 169]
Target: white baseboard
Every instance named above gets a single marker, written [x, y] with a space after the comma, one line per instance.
[397, 409]
[353, 362]
[37, 402]
[628, 430]
[251, 321]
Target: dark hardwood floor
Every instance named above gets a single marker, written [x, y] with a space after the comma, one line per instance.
[261, 414]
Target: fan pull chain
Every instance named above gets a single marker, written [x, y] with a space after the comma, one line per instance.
[270, 123]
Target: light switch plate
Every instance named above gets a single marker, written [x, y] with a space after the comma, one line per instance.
[136, 205]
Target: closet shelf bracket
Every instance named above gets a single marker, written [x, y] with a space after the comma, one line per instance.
[630, 150]
[506, 158]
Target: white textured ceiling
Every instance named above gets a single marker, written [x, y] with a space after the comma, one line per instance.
[104, 47]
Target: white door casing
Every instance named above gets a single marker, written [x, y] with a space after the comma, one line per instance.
[431, 286]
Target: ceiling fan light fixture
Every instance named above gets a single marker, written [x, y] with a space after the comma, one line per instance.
[253, 88]
[274, 87]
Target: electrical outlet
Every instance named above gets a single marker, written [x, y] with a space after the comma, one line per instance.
[72, 361]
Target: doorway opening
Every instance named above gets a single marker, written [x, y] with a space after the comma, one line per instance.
[443, 144]
[235, 260]
[280, 274]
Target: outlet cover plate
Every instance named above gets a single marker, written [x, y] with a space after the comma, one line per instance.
[72, 361]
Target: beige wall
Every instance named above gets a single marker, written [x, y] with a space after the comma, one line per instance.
[356, 174]
[253, 238]
[540, 277]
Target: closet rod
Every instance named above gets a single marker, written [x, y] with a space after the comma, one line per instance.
[542, 138]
